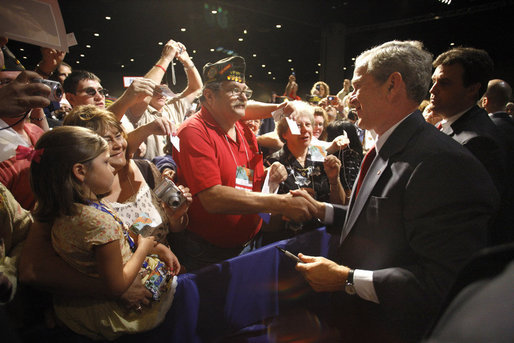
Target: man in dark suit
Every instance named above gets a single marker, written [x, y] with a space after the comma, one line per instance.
[421, 211]
[459, 81]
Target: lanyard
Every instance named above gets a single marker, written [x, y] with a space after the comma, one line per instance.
[244, 146]
[107, 210]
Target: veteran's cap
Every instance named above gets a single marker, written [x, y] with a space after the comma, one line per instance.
[227, 69]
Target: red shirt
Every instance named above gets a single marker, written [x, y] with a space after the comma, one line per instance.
[14, 174]
[206, 159]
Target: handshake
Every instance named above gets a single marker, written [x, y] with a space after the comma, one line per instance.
[300, 206]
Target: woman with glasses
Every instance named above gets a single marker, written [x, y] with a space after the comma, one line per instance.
[132, 194]
[307, 168]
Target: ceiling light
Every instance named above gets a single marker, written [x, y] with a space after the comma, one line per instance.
[123, 66]
[212, 50]
[278, 26]
[240, 39]
[269, 72]
[344, 68]
[131, 60]
[317, 72]
[107, 18]
[183, 29]
[82, 55]
[319, 64]
[264, 66]
[21, 49]
[437, 17]
[88, 46]
[214, 11]
[289, 60]
[78, 62]
[353, 58]
[160, 43]
[452, 44]
[96, 34]
[251, 75]
[254, 55]
[245, 32]
[194, 51]
[292, 69]
[24, 57]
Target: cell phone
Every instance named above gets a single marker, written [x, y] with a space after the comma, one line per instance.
[290, 255]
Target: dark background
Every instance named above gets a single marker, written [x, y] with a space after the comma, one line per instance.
[306, 37]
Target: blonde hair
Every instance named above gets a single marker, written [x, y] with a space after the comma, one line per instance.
[95, 118]
[51, 179]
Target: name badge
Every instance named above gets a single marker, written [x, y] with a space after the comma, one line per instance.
[244, 178]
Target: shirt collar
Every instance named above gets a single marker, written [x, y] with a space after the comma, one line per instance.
[381, 139]
[447, 122]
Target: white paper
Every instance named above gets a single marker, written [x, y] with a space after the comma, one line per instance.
[175, 141]
[70, 38]
[278, 114]
[37, 22]
[295, 130]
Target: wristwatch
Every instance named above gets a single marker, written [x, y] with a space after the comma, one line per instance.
[349, 287]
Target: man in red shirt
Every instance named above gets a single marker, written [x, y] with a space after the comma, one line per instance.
[220, 162]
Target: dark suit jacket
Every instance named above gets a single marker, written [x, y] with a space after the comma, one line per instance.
[422, 211]
[477, 132]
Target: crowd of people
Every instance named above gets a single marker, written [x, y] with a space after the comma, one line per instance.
[85, 216]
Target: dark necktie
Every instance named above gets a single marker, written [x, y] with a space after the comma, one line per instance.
[368, 159]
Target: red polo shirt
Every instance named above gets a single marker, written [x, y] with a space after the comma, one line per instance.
[206, 159]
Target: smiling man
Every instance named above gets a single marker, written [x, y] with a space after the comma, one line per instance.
[220, 162]
[418, 213]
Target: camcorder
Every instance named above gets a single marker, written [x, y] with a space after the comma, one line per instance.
[168, 192]
[56, 90]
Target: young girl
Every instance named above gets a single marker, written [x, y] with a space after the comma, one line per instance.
[70, 169]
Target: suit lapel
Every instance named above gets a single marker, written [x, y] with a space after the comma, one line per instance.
[395, 144]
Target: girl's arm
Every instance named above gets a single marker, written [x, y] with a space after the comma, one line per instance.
[168, 257]
[119, 277]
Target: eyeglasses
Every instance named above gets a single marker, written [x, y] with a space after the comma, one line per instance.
[237, 92]
[92, 91]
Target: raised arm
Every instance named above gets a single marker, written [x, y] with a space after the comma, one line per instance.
[51, 58]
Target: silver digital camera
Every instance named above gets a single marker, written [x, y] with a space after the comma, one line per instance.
[168, 192]
[56, 90]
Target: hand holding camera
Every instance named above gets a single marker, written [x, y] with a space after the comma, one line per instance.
[23, 94]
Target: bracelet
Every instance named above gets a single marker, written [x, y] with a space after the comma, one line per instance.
[160, 66]
[37, 119]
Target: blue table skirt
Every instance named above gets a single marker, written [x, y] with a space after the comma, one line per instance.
[240, 297]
